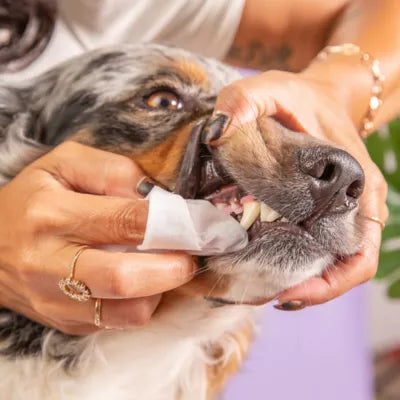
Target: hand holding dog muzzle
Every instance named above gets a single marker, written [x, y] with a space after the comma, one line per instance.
[57, 215]
[309, 103]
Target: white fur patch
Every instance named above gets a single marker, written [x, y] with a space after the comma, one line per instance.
[250, 285]
[165, 360]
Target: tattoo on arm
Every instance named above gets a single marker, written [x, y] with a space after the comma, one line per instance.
[256, 55]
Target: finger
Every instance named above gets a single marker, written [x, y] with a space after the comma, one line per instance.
[235, 107]
[90, 170]
[244, 101]
[97, 220]
[51, 320]
[113, 313]
[119, 275]
[373, 200]
[342, 277]
[128, 313]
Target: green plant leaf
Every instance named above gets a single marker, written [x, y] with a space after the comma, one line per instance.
[384, 148]
[394, 289]
[391, 231]
[376, 149]
[389, 261]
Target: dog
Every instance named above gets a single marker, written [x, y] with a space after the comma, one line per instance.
[147, 103]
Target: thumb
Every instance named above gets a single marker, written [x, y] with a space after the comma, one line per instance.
[85, 169]
[237, 105]
[243, 102]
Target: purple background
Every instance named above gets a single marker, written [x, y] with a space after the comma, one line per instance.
[318, 353]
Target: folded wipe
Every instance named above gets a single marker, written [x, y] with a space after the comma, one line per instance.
[194, 226]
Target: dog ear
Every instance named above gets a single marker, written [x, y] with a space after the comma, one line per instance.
[19, 133]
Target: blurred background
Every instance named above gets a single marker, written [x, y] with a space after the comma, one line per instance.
[349, 348]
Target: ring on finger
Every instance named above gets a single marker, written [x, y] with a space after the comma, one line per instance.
[377, 220]
[73, 288]
[98, 310]
[97, 313]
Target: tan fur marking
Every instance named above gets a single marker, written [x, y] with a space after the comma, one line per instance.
[219, 373]
[205, 284]
[162, 162]
[192, 72]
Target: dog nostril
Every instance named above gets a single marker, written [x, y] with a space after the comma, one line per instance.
[327, 173]
[355, 189]
[334, 176]
[321, 170]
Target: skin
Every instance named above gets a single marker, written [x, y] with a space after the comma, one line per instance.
[334, 98]
[51, 209]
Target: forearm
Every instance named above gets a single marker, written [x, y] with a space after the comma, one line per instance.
[275, 34]
[285, 35]
[374, 26]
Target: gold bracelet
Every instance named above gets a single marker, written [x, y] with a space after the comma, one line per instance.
[350, 49]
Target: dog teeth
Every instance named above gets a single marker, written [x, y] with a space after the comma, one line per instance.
[251, 211]
[268, 214]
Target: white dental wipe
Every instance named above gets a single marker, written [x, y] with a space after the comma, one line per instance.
[194, 226]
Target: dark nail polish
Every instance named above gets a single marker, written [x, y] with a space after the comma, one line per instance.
[215, 127]
[293, 305]
[218, 301]
[144, 187]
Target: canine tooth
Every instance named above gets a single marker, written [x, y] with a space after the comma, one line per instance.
[251, 211]
[268, 214]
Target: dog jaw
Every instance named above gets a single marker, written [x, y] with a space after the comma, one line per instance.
[261, 158]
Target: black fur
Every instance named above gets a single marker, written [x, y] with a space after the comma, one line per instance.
[22, 337]
[70, 116]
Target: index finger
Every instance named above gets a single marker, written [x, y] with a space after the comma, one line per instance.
[89, 170]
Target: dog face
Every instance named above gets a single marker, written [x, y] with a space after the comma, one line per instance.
[297, 195]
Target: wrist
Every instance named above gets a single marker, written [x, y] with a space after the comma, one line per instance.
[347, 80]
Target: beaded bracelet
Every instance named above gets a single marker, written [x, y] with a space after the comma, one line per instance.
[350, 49]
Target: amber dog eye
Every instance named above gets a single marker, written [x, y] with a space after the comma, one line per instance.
[165, 100]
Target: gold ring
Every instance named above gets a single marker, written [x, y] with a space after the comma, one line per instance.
[97, 313]
[70, 286]
[377, 220]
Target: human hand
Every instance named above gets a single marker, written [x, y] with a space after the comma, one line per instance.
[71, 197]
[307, 103]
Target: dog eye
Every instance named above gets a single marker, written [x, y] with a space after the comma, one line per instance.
[165, 100]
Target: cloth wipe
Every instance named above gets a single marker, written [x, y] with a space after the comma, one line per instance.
[194, 226]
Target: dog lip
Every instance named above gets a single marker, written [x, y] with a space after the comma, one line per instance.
[325, 210]
[259, 229]
[212, 175]
[187, 181]
[200, 173]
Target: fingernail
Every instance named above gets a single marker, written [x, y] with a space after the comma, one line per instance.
[218, 301]
[145, 186]
[215, 127]
[293, 305]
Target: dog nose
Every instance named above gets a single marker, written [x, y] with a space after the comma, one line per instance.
[336, 178]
